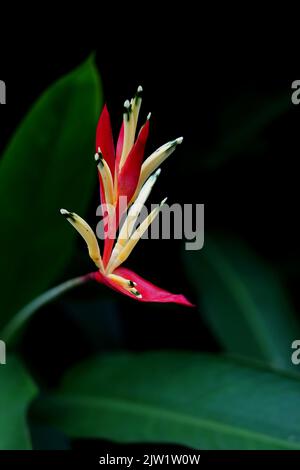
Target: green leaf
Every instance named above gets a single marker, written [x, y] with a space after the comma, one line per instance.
[242, 122]
[201, 401]
[243, 301]
[47, 165]
[16, 392]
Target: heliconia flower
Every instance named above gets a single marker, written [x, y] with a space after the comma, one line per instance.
[123, 175]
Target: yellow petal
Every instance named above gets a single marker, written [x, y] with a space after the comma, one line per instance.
[137, 206]
[155, 160]
[120, 254]
[87, 234]
[130, 119]
[126, 283]
[129, 132]
[106, 178]
[136, 105]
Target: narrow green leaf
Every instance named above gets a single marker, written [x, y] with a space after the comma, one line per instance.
[16, 392]
[201, 401]
[47, 165]
[243, 301]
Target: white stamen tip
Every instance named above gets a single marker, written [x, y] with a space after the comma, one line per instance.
[163, 201]
[127, 104]
[140, 89]
[158, 172]
[149, 116]
[179, 140]
[64, 211]
[97, 158]
[136, 293]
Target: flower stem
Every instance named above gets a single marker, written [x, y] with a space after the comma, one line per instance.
[23, 315]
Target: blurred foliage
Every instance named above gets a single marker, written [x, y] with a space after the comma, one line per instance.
[196, 400]
[193, 399]
[98, 320]
[45, 167]
[16, 392]
[48, 438]
[242, 122]
[243, 301]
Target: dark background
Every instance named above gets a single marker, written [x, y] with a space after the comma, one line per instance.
[192, 89]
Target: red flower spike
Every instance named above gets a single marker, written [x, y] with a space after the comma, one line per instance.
[122, 176]
[130, 172]
[149, 292]
[104, 139]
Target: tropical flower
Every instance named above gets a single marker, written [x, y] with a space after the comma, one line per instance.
[123, 176]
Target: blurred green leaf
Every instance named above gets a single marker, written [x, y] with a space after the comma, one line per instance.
[47, 438]
[98, 320]
[16, 391]
[243, 301]
[196, 400]
[241, 125]
[47, 165]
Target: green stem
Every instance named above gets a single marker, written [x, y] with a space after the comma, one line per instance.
[26, 312]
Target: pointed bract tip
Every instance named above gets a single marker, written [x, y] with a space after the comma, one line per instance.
[139, 92]
[136, 293]
[64, 212]
[149, 116]
[99, 157]
[127, 104]
[175, 142]
[68, 215]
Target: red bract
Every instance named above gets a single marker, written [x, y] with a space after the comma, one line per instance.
[104, 139]
[125, 183]
[130, 172]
